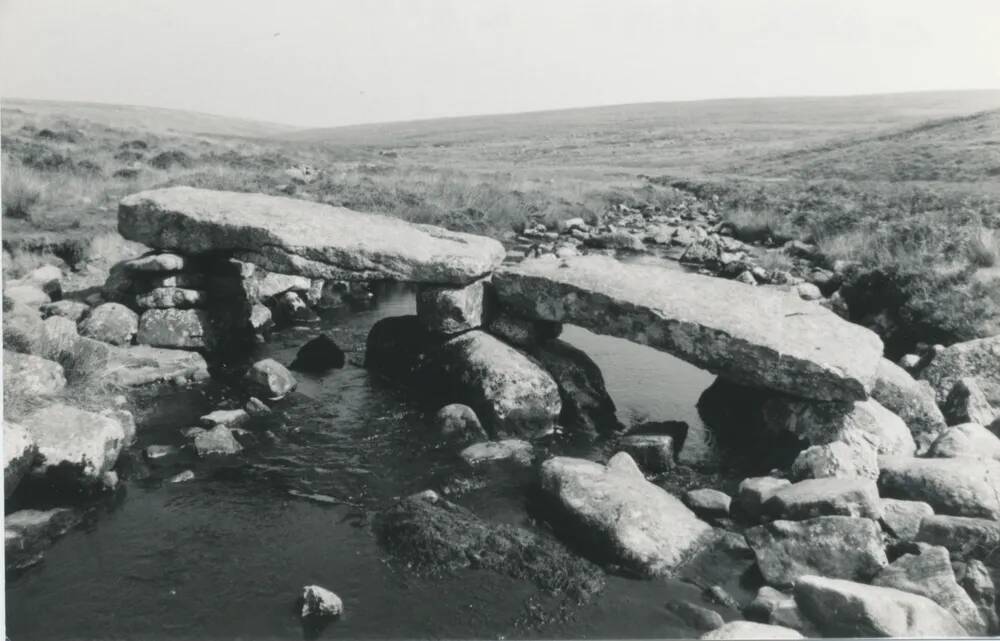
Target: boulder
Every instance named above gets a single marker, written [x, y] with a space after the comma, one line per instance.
[60, 342]
[450, 310]
[396, 347]
[839, 459]
[653, 452]
[618, 516]
[509, 392]
[511, 449]
[902, 518]
[967, 403]
[71, 309]
[299, 237]
[975, 579]
[696, 616]
[218, 441]
[110, 323]
[25, 375]
[175, 328]
[753, 492]
[430, 534]
[319, 355]
[260, 318]
[953, 486]
[272, 378]
[141, 364]
[22, 326]
[708, 503]
[320, 602]
[19, 454]
[587, 408]
[928, 573]
[615, 240]
[167, 297]
[965, 537]
[751, 630]
[456, 424]
[75, 446]
[853, 423]
[911, 400]
[967, 439]
[256, 407]
[848, 609]
[720, 325]
[838, 546]
[976, 358]
[825, 497]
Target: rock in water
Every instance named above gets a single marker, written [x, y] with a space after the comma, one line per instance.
[653, 452]
[751, 630]
[954, 486]
[111, 323]
[511, 449]
[217, 441]
[929, 573]
[19, 453]
[619, 516]
[753, 492]
[299, 237]
[456, 423]
[848, 609]
[320, 602]
[318, 355]
[696, 616]
[586, 405]
[837, 546]
[756, 336]
[977, 358]
[76, 446]
[272, 377]
[436, 536]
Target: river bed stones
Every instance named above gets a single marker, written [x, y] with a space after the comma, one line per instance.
[522, 332]
[139, 365]
[839, 459]
[511, 449]
[834, 546]
[708, 503]
[618, 516]
[272, 378]
[75, 446]
[654, 453]
[300, 237]
[716, 324]
[953, 486]
[849, 609]
[458, 424]
[754, 491]
[218, 441]
[28, 532]
[963, 536]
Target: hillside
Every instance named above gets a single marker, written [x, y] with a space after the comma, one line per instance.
[150, 119]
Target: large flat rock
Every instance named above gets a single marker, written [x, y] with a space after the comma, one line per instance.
[753, 335]
[304, 238]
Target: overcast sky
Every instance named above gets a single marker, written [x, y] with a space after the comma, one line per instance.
[335, 62]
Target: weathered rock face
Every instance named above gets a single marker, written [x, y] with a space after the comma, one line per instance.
[967, 403]
[586, 405]
[298, 237]
[754, 336]
[620, 517]
[450, 310]
[825, 497]
[26, 375]
[849, 609]
[433, 535]
[977, 359]
[902, 518]
[911, 400]
[751, 630]
[929, 574]
[175, 328]
[965, 537]
[836, 546]
[508, 391]
[75, 446]
[852, 423]
[110, 323]
[953, 486]
[19, 453]
[967, 439]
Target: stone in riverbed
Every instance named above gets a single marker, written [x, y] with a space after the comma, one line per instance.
[954, 486]
[110, 323]
[976, 358]
[271, 377]
[141, 364]
[825, 497]
[299, 237]
[708, 503]
[167, 297]
[755, 336]
[450, 310]
[848, 609]
[929, 573]
[25, 375]
[653, 452]
[967, 403]
[218, 441]
[19, 454]
[968, 439]
[228, 418]
[320, 602]
[587, 407]
[175, 328]
[396, 347]
[456, 423]
[911, 400]
[75, 446]
[838, 546]
[965, 537]
[619, 516]
[319, 355]
[778, 608]
[902, 518]
[507, 450]
[751, 630]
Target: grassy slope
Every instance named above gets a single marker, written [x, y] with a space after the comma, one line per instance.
[903, 183]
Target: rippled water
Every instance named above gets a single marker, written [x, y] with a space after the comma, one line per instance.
[226, 555]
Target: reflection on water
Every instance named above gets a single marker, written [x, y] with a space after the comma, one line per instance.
[226, 555]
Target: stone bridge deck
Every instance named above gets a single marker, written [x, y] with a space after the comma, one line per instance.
[753, 335]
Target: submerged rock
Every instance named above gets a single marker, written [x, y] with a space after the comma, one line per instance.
[456, 423]
[751, 630]
[320, 602]
[111, 323]
[836, 546]
[619, 516]
[436, 536]
[28, 532]
[848, 609]
[954, 486]
[319, 355]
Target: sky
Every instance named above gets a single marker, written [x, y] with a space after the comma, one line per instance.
[336, 62]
